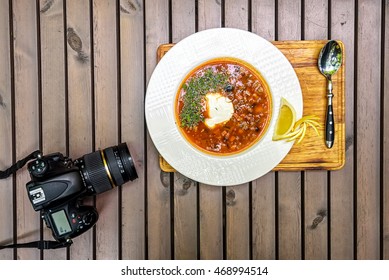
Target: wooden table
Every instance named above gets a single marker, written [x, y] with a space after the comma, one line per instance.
[73, 76]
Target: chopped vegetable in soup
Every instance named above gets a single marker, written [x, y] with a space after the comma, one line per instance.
[223, 106]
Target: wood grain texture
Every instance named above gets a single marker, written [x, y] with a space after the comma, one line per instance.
[238, 222]
[185, 218]
[6, 139]
[316, 215]
[80, 119]
[53, 77]
[106, 119]
[211, 223]
[185, 190]
[183, 19]
[264, 188]
[27, 122]
[209, 14]
[315, 184]
[158, 185]
[289, 183]
[264, 217]
[132, 127]
[385, 168]
[312, 152]
[342, 181]
[211, 199]
[368, 129]
[263, 18]
[53, 90]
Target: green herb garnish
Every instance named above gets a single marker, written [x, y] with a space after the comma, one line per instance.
[195, 89]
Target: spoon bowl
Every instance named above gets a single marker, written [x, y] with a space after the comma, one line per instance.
[330, 58]
[329, 62]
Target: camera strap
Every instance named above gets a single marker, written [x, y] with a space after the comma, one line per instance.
[42, 245]
[6, 173]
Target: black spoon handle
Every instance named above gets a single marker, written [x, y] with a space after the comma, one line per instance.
[330, 127]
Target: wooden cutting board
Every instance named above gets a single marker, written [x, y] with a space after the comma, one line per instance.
[312, 152]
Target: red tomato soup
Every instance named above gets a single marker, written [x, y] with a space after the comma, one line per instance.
[223, 106]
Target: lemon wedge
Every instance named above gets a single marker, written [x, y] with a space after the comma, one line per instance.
[287, 128]
[286, 120]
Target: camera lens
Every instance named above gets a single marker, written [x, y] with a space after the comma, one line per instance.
[105, 169]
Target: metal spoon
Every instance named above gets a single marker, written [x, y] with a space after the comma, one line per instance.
[330, 60]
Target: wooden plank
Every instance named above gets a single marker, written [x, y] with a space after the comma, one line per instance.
[386, 140]
[368, 130]
[106, 119]
[53, 77]
[53, 90]
[185, 218]
[6, 141]
[26, 117]
[158, 187]
[211, 223]
[342, 181]
[211, 204]
[183, 19]
[209, 14]
[315, 185]
[263, 189]
[237, 197]
[237, 222]
[262, 18]
[185, 190]
[132, 121]
[80, 100]
[289, 183]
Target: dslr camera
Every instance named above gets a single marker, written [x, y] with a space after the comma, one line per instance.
[58, 185]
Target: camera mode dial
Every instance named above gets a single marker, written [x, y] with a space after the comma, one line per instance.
[38, 168]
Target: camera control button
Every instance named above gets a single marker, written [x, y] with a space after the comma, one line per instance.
[38, 168]
[87, 219]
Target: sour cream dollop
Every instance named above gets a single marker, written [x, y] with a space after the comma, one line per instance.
[219, 109]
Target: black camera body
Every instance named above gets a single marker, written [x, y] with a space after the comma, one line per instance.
[58, 185]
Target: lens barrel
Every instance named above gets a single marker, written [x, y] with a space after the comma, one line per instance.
[108, 168]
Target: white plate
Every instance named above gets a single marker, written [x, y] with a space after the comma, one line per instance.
[172, 69]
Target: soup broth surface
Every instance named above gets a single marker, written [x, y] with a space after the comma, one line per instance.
[223, 106]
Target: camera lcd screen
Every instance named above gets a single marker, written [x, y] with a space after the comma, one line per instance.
[61, 222]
